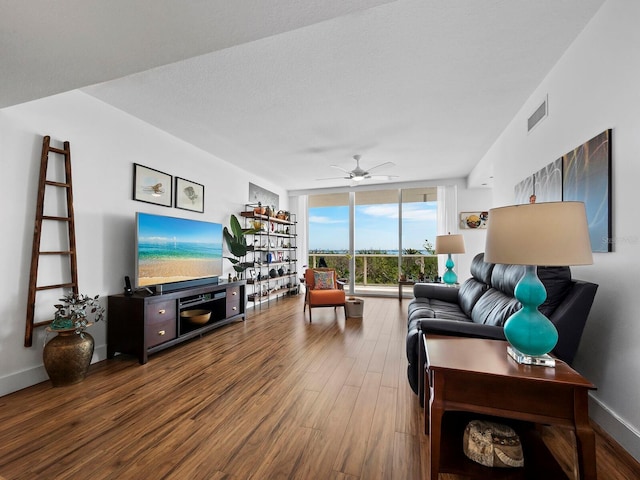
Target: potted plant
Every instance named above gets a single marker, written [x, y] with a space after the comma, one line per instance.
[236, 241]
[76, 312]
[67, 356]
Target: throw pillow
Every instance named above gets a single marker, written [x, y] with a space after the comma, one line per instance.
[323, 280]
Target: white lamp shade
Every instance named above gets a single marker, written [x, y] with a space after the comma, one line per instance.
[450, 244]
[544, 234]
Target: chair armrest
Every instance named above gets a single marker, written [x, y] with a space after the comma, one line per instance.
[436, 291]
[461, 329]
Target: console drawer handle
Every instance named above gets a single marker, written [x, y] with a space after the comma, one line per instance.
[162, 311]
[161, 332]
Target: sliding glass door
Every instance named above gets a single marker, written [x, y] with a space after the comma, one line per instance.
[329, 232]
[376, 240]
[372, 238]
[419, 226]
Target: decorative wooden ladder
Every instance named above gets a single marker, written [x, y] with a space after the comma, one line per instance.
[37, 235]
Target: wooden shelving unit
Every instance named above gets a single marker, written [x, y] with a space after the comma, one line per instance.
[273, 257]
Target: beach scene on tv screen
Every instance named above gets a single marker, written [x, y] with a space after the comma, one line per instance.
[174, 250]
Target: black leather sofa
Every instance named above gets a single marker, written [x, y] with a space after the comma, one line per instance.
[481, 305]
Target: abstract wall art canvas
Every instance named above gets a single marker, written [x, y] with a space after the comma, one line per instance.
[587, 178]
[543, 186]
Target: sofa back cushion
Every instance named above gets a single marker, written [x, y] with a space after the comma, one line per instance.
[481, 270]
[506, 277]
[494, 308]
[470, 291]
[473, 288]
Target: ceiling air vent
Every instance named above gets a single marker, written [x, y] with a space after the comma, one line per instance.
[538, 116]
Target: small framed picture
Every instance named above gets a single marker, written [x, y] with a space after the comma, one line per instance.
[189, 195]
[151, 186]
[280, 256]
[474, 220]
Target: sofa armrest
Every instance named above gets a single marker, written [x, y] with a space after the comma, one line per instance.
[436, 291]
[461, 329]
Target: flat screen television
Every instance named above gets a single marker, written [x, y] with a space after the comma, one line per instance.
[173, 253]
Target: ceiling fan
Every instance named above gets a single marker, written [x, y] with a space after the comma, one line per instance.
[359, 174]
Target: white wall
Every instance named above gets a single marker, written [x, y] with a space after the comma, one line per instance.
[595, 86]
[105, 143]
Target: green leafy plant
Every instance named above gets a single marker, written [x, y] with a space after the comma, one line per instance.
[236, 241]
[428, 247]
[77, 311]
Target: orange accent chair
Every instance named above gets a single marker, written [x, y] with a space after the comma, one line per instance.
[323, 290]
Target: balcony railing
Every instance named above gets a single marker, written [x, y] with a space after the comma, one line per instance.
[379, 270]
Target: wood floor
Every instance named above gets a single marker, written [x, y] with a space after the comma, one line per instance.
[273, 397]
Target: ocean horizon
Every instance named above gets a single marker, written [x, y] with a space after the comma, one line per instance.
[360, 252]
[178, 251]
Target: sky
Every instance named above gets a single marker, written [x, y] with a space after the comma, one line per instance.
[376, 226]
[163, 228]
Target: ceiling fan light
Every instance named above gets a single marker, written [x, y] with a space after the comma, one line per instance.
[357, 178]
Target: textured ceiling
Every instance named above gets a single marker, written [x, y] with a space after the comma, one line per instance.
[287, 88]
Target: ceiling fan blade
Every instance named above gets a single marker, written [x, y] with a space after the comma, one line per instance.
[382, 177]
[334, 178]
[385, 164]
[341, 169]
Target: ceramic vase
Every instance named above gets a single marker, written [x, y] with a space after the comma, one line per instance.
[67, 357]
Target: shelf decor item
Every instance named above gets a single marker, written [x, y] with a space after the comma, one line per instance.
[449, 244]
[259, 210]
[196, 316]
[550, 234]
[67, 356]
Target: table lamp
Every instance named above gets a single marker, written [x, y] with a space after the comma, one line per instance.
[536, 234]
[449, 244]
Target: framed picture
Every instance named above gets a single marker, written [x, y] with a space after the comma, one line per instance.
[263, 196]
[189, 195]
[587, 178]
[474, 220]
[151, 186]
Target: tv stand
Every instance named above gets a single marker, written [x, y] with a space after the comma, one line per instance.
[143, 324]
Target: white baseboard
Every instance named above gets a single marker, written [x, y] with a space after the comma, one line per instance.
[620, 430]
[23, 379]
[32, 376]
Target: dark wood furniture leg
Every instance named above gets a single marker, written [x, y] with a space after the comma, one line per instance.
[433, 425]
[585, 437]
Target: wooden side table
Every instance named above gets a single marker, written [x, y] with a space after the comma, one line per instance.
[476, 375]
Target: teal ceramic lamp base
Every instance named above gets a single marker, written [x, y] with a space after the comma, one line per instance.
[528, 331]
[450, 277]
